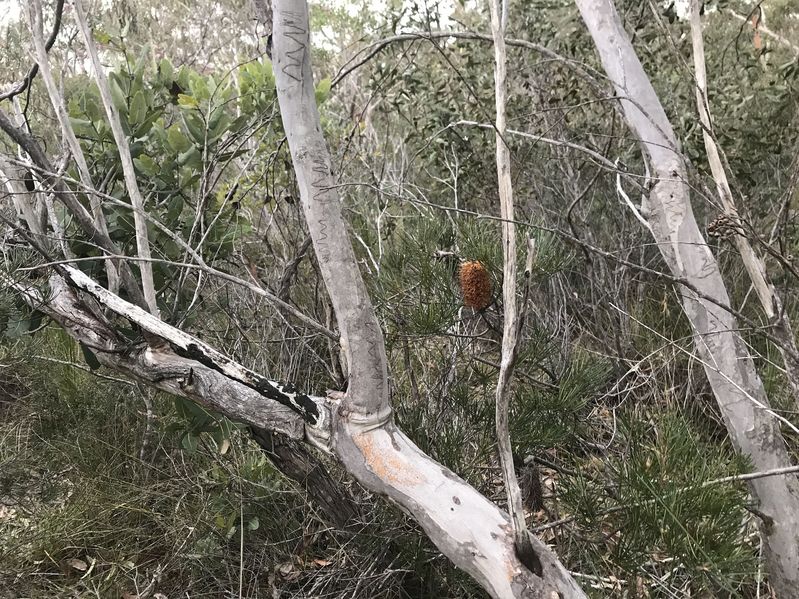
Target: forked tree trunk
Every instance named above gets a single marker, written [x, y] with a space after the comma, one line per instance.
[739, 391]
[473, 532]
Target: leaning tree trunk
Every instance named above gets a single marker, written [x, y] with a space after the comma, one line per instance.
[770, 300]
[739, 391]
[473, 532]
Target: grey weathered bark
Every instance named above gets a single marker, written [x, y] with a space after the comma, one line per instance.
[510, 331]
[473, 532]
[59, 107]
[136, 199]
[770, 300]
[178, 364]
[10, 177]
[727, 363]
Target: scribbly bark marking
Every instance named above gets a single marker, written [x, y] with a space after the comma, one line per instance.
[295, 31]
[373, 350]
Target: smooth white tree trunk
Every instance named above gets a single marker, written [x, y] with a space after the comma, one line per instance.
[770, 300]
[729, 368]
[473, 532]
[511, 316]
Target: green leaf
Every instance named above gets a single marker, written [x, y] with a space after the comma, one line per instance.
[138, 109]
[220, 128]
[117, 95]
[187, 101]
[177, 140]
[174, 210]
[165, 71]
[89, 356]
[183, 78]
[146, 165]
[199, 87]
[101, 37]
[190, 157]
[216, 115]
[141, 63]
[195, 127]
[254, 523]
[147, 124]
[323, 90]
[82, 127]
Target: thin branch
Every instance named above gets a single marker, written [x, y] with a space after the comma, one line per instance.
[280, 304]
[593, 77]
[763, 29]
[23, 85]
[596, 156]
[136, 199]
[710, 483]
[51, 178]
[511, 320]
[199, 261]
[57, 100]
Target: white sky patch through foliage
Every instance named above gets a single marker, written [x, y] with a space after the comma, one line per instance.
[9, 12]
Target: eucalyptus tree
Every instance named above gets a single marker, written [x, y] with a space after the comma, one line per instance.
[753, 427]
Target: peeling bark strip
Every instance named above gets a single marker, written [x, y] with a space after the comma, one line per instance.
[728, 366]
[190, 347]
[81, 317]
[284, 393]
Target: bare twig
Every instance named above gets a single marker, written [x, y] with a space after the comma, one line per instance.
[257, 289]
[136, 199]
[763, 29]
[35, 19]
[23, 85]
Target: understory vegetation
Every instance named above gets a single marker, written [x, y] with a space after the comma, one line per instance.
[111, 489]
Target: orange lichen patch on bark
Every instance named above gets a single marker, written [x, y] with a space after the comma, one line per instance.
[475, 284]
[387, 465]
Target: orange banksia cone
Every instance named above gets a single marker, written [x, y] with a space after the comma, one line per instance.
[475, 285]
